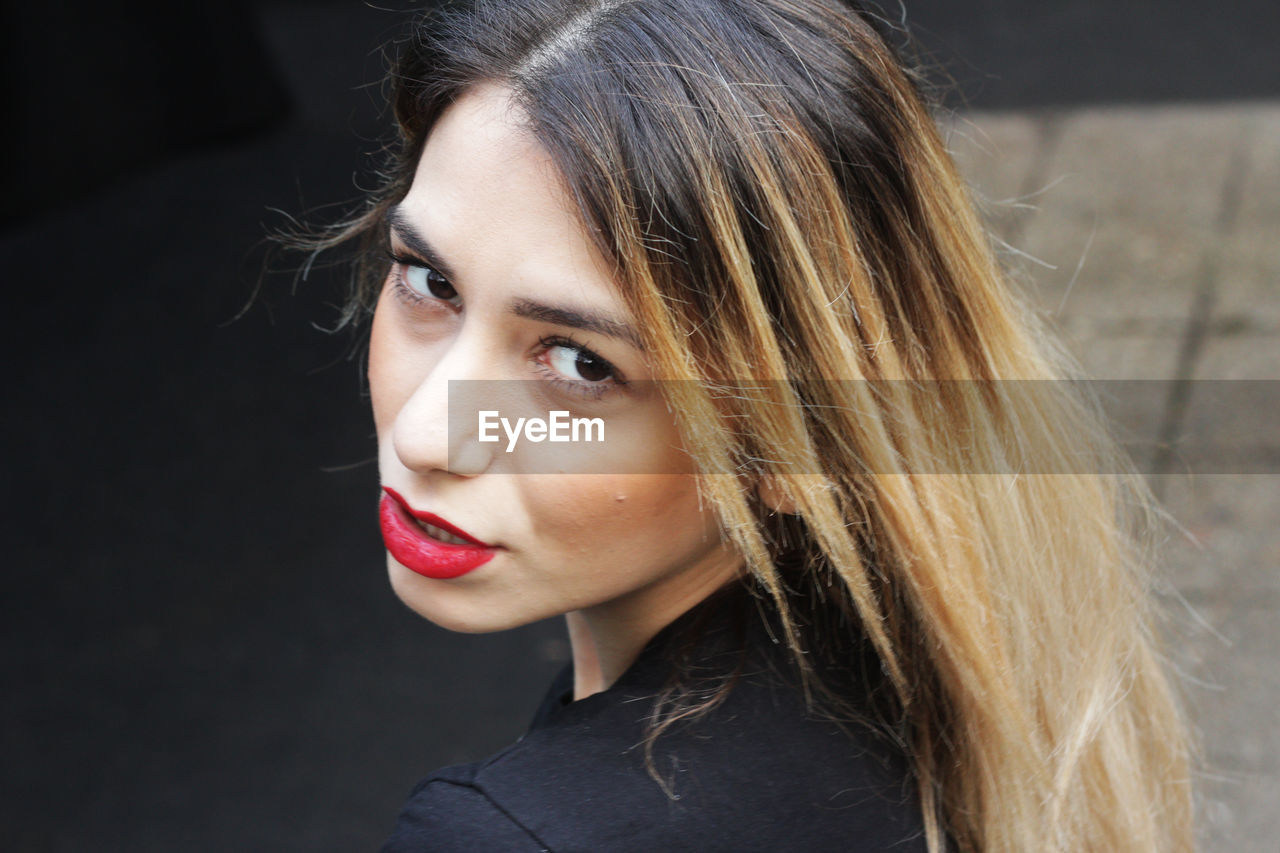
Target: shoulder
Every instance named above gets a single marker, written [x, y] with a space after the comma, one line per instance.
[758, 773]
[447, 813]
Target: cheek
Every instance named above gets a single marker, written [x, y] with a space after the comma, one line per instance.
[377, 363]
[625, 515]
[385, 395]
[651, 516]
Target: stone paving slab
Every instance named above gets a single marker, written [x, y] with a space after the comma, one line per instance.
[1132, 211]
[1224, 550]
[1156, 246]
[1000, 154]
[1247, 295]
[1231, 687]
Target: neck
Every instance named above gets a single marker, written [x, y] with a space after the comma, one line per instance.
[600, 654]
[608, 638]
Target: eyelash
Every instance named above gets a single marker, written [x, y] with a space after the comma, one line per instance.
[581, 388]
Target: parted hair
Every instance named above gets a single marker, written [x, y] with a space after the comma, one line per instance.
[777, 203]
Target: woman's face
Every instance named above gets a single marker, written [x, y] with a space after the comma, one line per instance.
[495, 279]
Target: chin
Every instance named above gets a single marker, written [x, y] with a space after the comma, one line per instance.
[451, 606]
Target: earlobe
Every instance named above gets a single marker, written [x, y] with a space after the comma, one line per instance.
[774, 496]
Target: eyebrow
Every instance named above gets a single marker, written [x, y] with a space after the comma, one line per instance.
[531, 309]
[399, 224]
[587, 321]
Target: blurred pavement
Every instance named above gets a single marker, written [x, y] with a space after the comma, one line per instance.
[1150, 236]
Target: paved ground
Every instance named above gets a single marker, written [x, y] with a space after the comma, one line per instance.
[1152, 243]
[199, 650]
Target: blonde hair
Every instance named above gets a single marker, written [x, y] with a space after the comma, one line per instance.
[779, 206]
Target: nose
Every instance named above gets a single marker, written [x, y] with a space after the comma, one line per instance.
[436, 428]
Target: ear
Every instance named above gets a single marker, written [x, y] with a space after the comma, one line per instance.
[774, 496]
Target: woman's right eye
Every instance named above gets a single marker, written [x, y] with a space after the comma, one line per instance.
[419, 281]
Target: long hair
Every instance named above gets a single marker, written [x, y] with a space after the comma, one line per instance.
[773, 194]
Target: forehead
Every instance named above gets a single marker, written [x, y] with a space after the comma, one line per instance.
[490, 200]
[482, 141]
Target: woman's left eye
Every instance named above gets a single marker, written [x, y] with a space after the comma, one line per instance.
[577, 368]
[579, 364]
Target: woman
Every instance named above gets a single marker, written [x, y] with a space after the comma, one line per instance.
[833, 582]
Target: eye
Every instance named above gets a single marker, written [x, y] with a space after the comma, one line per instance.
[576, 370]
[420, 281]
[578, 363]
[424, 281]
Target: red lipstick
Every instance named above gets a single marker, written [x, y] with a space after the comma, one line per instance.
[414, 548]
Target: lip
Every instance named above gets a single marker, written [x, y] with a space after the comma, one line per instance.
[410, 545]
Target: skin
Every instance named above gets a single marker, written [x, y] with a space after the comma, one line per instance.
[620, 553]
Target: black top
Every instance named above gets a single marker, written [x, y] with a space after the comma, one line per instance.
[759, 772]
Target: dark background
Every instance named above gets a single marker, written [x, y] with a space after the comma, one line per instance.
[201, 651]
